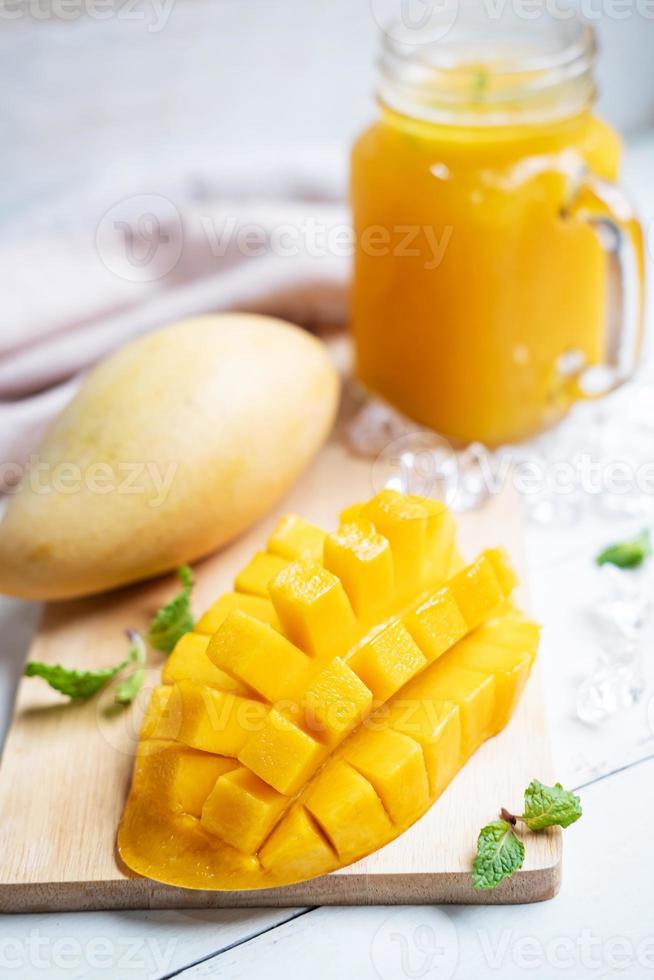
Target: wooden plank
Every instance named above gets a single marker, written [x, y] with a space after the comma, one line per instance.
[66, 767]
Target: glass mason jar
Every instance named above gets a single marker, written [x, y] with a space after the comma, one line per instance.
[498, 269]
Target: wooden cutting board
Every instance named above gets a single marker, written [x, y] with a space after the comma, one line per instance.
[66, 767]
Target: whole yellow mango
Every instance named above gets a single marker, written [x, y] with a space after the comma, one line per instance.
[171, 447]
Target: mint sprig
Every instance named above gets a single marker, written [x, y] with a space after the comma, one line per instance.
[167, 626]
[500, 852]
[76, 684]
[128, 688]
[627, 554]
[549, 806]
[174, 619]
[80, 685]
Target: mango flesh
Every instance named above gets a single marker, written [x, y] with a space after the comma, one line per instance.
[339, 725]
[172, 446]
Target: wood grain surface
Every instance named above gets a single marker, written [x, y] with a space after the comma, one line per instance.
[66, 767]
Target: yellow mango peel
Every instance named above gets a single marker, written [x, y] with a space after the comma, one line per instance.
[321, 708]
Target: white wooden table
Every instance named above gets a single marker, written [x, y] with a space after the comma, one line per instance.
[601, 923]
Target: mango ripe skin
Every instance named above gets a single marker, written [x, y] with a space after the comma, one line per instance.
[178, 442]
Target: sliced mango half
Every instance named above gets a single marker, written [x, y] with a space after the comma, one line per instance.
[321, 708]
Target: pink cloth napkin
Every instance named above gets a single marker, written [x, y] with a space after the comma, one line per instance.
[73, 295]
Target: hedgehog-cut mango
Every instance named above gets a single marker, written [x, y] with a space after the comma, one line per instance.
[320, 708]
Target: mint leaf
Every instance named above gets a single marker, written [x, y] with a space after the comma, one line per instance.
[628, 554]
[175, 618]
[81, 684]
[550, 806]
[499, 854]
[128, 688]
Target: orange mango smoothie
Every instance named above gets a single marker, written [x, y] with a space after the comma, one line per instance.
[481, 289]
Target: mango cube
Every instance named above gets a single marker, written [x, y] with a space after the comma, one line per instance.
[297, 844]
[181, 778]
[214, 721]
[387, 660]
[193, 776]
[436, 624]
[361, 558]
[503, 569]
[162, 719]
[258, 573]
[296, 538]
[472, 690]
[335, 703]
[510, 669]
[477, 591]
[436, 725]
[254, 605]
[282, 754]
[313, 609]
[403, 520]
[242, 810]
[351, 514]
[189, 661]
[440, 537]
[348, 810]
[513, 631]
[259, 656]
[395, 766]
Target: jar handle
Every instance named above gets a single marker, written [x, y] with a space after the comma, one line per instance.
[602, 205]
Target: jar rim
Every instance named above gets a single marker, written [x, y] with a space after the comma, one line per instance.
[485, 74]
